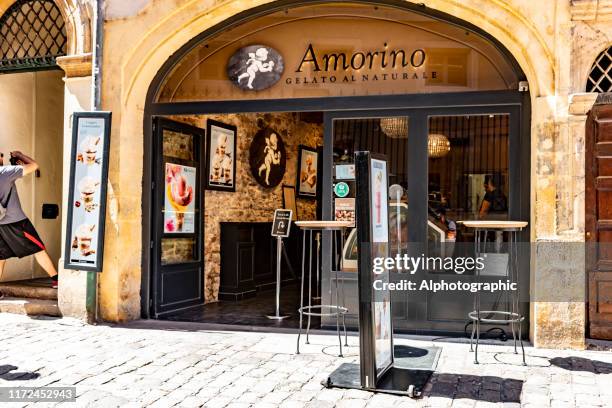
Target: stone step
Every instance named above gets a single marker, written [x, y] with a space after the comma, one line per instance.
[31, 289]
[30, 307]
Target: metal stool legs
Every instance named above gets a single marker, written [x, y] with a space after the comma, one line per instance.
[514, 316]
[301, 291]
[309, 285]
[337, 310]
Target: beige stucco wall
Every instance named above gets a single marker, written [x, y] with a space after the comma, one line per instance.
[32, 122]
[546, 38]
[72, 291]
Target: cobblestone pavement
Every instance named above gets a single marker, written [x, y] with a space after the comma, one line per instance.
[133, 366]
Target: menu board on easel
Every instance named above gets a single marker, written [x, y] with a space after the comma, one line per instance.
[375, 317]
[87, 191]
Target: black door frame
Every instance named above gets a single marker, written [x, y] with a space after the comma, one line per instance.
[158, 306]
[427, 104]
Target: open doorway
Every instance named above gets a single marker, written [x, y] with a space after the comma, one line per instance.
[32, 37]
[32, 118]
[214, 230]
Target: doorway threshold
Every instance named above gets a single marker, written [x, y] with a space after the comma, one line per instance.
[152, 324]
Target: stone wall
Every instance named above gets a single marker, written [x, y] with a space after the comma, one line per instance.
[251, 202]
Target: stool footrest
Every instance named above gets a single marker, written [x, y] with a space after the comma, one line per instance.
[513, 317]
[333, 310]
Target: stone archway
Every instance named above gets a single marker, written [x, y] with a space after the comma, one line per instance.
[129, 75]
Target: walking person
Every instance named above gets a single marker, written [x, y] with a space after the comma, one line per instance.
[18, 238]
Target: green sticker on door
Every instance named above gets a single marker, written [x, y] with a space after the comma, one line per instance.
[341, 189]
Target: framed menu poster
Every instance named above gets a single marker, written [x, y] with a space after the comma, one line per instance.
[84, 248]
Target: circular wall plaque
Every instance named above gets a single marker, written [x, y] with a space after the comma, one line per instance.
[267, 158]
[341, 189]
[255, 67]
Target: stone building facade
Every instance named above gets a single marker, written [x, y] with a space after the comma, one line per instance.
[554, 42]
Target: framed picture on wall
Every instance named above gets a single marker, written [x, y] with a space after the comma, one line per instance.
[307, 172]
[289, 200]
[221, 157]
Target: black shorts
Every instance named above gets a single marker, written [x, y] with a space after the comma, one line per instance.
[19, 239]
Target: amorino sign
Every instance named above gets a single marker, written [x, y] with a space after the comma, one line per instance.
[255, 64]
[384, 64]
[331, 57]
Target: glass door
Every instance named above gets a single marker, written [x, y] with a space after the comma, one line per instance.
[178, 270]
[388, 133]
[446, 165]
[468, 178]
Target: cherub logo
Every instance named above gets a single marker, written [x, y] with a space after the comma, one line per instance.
[255, 67]
[267, 157]
[272, 157]
[258, 62]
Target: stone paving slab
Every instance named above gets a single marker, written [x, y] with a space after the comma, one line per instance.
[136, 366]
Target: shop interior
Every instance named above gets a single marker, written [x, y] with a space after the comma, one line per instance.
[467, 162]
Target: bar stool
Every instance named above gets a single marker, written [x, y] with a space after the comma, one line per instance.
[514, 316]
[338, 310]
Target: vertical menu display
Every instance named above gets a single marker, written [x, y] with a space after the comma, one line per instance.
[375, 317]
[381, 299]
[87, 191]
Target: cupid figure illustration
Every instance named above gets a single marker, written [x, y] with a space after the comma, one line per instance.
[257, 62]
[273, 156]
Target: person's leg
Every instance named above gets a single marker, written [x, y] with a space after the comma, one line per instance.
[2, 263]
[46, 263]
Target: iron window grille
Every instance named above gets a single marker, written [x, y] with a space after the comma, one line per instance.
[600, 77]
[32, 36]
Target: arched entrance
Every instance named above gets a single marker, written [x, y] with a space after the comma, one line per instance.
[449, 78]
[33, 35]
[36, 38]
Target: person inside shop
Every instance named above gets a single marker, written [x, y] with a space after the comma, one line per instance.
[495, 203]
[18, 238]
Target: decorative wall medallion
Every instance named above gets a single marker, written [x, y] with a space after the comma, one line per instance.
[255, 67]
[267, 158]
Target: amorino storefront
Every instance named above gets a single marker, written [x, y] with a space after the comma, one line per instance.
[401, 84]
[249, 108]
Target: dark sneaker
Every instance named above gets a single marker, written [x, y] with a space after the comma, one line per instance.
[54, 282]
